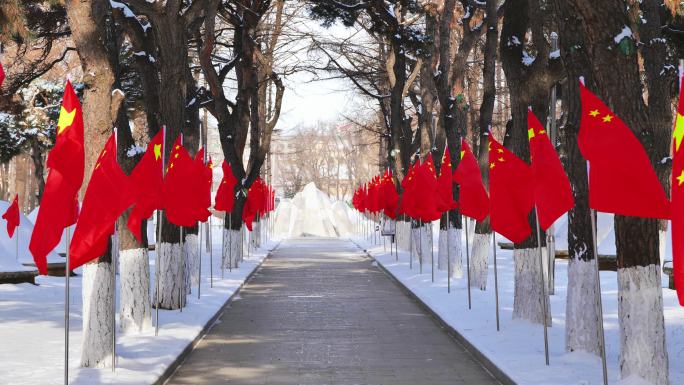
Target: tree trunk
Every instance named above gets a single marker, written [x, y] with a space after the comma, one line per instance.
[640, 310]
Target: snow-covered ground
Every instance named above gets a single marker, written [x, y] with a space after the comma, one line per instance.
[32, 334]
[518, 349]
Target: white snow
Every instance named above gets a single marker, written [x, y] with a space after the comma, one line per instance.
[32, 334]
[625, 33]
[8, 247]
[518, 349]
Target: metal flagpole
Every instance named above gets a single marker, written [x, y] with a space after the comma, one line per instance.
[432, 255]
[599, 304]
[181, 274]
[113, 257]
[496, 281]
[545, 310]
[66, 310]
[411, 244]
[448, 255]
[17, 232]
[470, 304]
[211, 256]
[199, 276]
[553, 133]
[157, 249]
[420, 246]
[230, 242]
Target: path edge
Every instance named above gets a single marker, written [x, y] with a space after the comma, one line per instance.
[499, 374]
[178, 361]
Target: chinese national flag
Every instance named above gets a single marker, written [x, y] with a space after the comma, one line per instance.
[678, 199]
[552, 191]
[12, 216]
[253, 205]
[108, 195]
[390, 195]
[511, 193]
[202, 198]
[148, 182]
[472, 195]
[407, 202]
[426, 190]
[58, 207]
[621, 177]
[181, 210]
[445, 188]
[225, 196]
[2, 75]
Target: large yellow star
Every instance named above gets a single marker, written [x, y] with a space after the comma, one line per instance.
[680, 178]
[678, 133]
[66, 119]
[157, 151]
[607, 118]
[594, 113]
[530, 133]
[462, 153]
[501, 151]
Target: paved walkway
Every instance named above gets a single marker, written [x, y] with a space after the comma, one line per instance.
[319, 312]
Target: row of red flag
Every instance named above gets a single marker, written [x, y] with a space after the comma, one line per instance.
[621, 181]
[180, 185]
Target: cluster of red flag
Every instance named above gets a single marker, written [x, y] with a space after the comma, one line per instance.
[180, 185]
[378, 195]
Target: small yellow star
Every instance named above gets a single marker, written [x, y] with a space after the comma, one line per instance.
[98, 166]
[501, 151]
[501, 159]
[542, 132]
[491, 165]
[680, 178]
[176, 156]
[530, 133]
[607, 119]
[462, 153]
[594, 113]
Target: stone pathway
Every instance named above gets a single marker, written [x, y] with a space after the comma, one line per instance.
[319, 312]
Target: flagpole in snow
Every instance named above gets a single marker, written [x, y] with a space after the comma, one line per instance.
[66, 310]
[411, 243]
[113, 262]
[470, 304]
[448, 255]
[553, 131]
[432, 255]
[545, 309]
[181, 272]
[496, 281]
[157, 247]
[599, 304]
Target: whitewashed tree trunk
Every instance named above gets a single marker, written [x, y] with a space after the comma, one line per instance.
[171, 273]
[232, 248]
[527, 295]
[191, 246]
[582, 318]
[403, 235]
[98, 315]
[643, 351]
[454, 252]
[422, 243]
[479, 260]
[662, 246]
[134, 313]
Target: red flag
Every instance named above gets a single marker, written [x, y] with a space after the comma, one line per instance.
[407, 202]
[390, 195]
[425, 190]
[253, 203]
[511, 193]
[473, 199]
[621, 177]
[66, 162]
[225, 196]
[445, 188]
[178, 193]
[678, 198]
[202, 197]
[552, 191]
[148, 182]
[108, 195]
[2, 75]
[12, 216]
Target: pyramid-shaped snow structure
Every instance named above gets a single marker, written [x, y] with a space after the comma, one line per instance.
[312, 213]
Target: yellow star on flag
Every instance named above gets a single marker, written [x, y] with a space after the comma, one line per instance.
[501, 151]
[542, 132]
[594, 113]
[66, 119]
[157, 151]
[501, 159]
[680, 178]
[530, 133]
[678, 133]
[491, 165]
[607, 118]
[462, 153]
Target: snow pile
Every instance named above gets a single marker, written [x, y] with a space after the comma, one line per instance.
[312, 213]
[8, 246]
